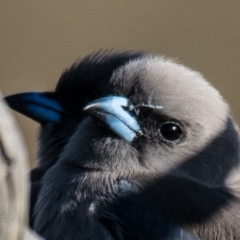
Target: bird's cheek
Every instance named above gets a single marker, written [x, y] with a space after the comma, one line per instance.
[157, 158]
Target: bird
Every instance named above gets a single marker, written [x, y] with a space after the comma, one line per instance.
[129, 142]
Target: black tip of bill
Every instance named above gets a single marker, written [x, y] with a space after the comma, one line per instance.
[114, 112]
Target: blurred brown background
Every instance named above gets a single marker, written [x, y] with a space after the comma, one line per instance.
[38, 39]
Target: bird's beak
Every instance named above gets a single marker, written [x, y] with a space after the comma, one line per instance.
[115, 112]
[36, 105]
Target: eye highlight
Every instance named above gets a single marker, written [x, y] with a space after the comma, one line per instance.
[170, 131]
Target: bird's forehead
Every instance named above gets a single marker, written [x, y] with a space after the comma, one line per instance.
[180, 90]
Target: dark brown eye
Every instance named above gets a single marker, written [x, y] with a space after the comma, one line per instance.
[171, 131]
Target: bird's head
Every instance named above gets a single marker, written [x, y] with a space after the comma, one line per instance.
[132, 114]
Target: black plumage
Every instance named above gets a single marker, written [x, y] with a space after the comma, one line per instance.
[167, 157]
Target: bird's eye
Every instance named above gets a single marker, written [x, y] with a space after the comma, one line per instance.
[171, 131]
